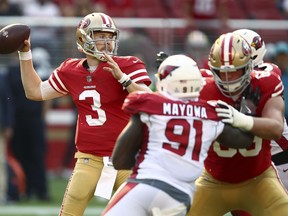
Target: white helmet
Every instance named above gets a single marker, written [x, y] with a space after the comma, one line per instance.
[258, 48]
[179, 76]
[96, 22]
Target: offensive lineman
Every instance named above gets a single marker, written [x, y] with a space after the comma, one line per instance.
[245, 178]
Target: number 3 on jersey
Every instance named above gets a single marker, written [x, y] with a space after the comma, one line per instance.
[95, 107]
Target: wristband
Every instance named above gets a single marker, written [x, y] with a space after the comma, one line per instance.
[247, 123]
[242, 121]
[126, 83]
[25, 55]
[124, 78]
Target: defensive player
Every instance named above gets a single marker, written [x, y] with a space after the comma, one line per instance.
[166, 142]
[98, 85]
[241, 178]
[258, 51]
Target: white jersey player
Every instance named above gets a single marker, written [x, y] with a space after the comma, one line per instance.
[166, 141]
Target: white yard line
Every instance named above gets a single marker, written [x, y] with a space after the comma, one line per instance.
[42, 210]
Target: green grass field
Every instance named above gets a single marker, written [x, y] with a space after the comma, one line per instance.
[37, 208]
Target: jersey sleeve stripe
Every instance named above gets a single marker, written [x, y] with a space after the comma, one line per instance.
[279, 89]
[54, 85]
[139, 75]
[144, 78]
[59, 80]
[137, 72]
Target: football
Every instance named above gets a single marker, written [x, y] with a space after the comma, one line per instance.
[12, 37]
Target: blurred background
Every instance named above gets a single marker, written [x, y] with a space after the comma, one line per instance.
[146, 27]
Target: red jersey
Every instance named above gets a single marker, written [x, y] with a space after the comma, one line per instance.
[98, 97]
[206, 73]
[281, 143]
[269, 67]
[232, 165]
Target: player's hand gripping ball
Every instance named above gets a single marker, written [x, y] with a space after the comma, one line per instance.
[12, 37]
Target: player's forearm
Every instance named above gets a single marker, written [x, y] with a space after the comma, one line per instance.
[30, 80]
[267, 128]
[138, 87]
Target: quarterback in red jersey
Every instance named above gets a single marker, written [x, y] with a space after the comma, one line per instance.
[169, 133]
[241, 178]
[98, 85]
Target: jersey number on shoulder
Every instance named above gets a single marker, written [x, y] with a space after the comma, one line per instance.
[229, 152]
[95, 107]
[178, 132]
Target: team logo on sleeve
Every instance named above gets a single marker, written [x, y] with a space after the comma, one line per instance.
[84, 23]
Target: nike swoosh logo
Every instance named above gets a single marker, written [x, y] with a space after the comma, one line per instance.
[249, 110]
[285, 170]
[135, 61]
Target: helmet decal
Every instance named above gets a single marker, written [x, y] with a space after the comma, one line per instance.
[107, 22]
[84, 23]
[226, 52]
[246, 48]
[257, 45]
[167, 70]
[257, 42]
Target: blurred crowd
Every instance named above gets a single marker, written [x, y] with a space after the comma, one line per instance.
[195, 12]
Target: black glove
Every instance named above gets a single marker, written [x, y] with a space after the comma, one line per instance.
[161, 56]
[250, 100]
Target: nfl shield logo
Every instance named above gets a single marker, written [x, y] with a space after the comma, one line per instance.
[89, 78]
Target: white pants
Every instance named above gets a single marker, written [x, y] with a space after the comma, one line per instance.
[143, 200]
[283, 174]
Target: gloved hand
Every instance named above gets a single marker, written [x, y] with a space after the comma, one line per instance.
[250, 101]
[161, 56]
[232, 116]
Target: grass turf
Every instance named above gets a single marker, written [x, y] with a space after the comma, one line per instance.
[35, 207]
